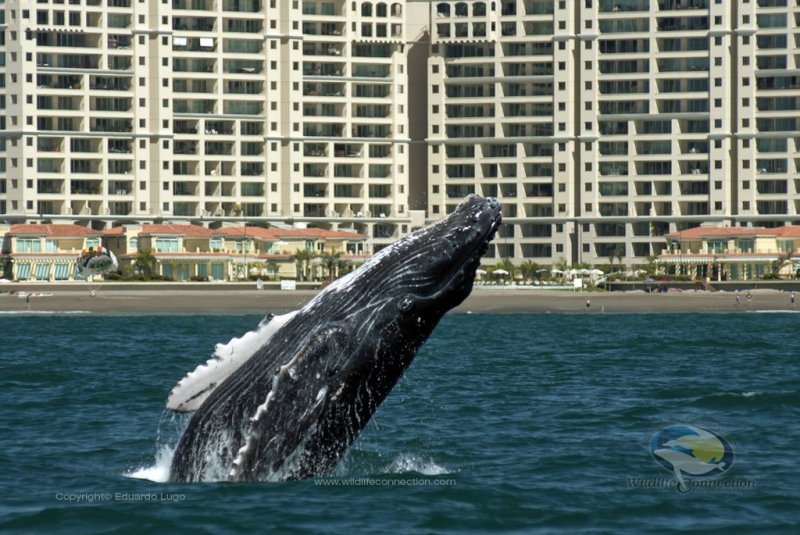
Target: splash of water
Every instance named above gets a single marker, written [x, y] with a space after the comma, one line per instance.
[170, 428]
[409, 462]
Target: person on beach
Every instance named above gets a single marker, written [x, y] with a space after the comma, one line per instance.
[738, 299]
[749, 298]
[588, 304]
[27, 302]
[791, 299]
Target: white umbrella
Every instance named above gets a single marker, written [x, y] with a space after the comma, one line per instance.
[501, 272]
[595, 272]
[480, 272]
[556, 271]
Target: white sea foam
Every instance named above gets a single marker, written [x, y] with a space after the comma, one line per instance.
[408, 462]
[751, 394]
[159, 472]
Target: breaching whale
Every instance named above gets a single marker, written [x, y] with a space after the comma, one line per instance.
[288, 400]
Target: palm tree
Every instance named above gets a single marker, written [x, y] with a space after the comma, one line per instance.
[330, 261]
[302, 259]
[145, 263]
[529, 269]
[274, 267]
[619, 254]
[778, 264]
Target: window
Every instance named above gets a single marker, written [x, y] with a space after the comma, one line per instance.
[167, 245]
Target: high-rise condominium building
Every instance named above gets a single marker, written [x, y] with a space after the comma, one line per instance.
[604, 124]
[114, 110]
[600, 124]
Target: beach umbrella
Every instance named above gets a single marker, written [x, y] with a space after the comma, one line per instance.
[501, 272]
[480, 272]
[649, 282]
[596, 272]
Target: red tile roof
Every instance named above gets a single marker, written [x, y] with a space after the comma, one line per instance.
[272, 233]
[52, 230]
[189, 231]
[733, 232]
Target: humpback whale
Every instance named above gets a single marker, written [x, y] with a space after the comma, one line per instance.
[287, 400]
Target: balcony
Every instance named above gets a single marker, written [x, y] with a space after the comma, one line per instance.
[195, 24]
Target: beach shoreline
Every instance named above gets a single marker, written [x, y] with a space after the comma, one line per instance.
[245, 299]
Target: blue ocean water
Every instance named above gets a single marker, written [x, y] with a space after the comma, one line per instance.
[529, 423]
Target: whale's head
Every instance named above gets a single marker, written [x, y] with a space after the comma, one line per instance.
[396, 299]
[429, 272]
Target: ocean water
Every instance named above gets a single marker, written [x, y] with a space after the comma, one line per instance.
[528, 423]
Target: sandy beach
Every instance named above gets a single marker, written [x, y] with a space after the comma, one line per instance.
[241, 299]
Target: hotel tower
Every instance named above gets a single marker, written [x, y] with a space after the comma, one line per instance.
[600, 124]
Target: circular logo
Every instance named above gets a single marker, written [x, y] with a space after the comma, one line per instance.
[690, 451]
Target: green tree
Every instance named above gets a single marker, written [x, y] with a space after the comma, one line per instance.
[619, 254]
[274, 267]
[529, 270]
[302, 259]
[145, 264]
[507, 265]
[330, 262]
[778, 264]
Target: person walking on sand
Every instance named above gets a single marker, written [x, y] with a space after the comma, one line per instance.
[738, 299]
[749, 298]
[791, 299]
[588, 304]
[27, 301]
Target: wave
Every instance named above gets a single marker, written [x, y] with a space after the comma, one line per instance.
[408, 462]
[750, 398]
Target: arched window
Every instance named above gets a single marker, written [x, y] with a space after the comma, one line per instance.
[461, 9]
[443, 9]
[397, 10]
[366, 9]
[380, 10]
[479, 9]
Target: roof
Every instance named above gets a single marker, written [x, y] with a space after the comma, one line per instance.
[51, 230]
[696, 233]
[272, 233]
[161, 229]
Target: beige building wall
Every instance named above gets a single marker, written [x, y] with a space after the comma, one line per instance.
[261, 109]
[603, 125]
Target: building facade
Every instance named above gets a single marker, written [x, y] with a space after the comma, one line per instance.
[732, 253]
[604, 124]
[119, 110]
[181, 252]
[601, 125]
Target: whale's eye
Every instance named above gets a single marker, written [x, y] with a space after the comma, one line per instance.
[406, 304]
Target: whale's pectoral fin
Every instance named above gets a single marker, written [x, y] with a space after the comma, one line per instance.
[197, 385]
[280, 436]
